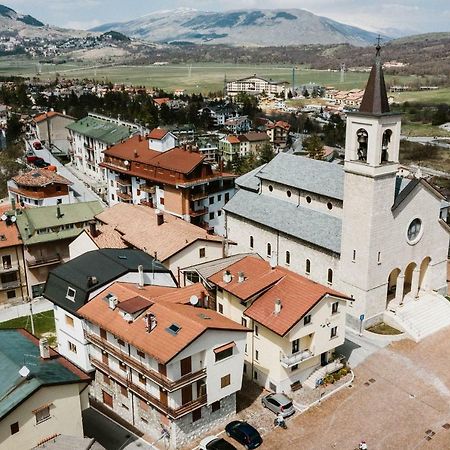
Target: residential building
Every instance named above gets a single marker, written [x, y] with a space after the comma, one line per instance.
[174, 242]
[177, 181]
[161, 140]
[240, 124]
[72, 285]
[229, 146]
[50, 127]
[40, 187]
[89, 137]
[219, 114]
[255, 85]
[41, 393]
[296, 323]
[163, 362]
[46, 233]
[252, 142]
[375, 236]
[13, 285]
[278, 133]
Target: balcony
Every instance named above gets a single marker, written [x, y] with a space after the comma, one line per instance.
[141, 392]
[123, 182]
[198, 195]
[156, 377]
[200, 212]
[124, 196]
[6, 268]
[43, 261]
[148, 189]
[296, 358]
[9, 285]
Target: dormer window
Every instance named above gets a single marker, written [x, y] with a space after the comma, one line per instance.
[70, 294]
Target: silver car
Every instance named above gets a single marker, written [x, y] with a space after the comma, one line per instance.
[279, 403]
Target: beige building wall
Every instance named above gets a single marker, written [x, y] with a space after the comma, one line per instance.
[12, 291]
[66, 405]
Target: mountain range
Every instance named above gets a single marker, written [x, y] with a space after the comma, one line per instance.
[255, 27]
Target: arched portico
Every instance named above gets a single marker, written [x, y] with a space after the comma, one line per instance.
[392, 286]
[423, 277]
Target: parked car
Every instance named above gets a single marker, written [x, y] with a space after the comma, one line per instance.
[37, 145]
[244, 433]
[215, 443]
[279, 403]
[31, 157]
[40, 163]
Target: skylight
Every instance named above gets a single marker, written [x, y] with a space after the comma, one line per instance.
[173, 329]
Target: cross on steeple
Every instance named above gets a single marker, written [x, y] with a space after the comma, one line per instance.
[378, 46]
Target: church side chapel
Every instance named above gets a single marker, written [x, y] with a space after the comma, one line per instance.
[360, 227]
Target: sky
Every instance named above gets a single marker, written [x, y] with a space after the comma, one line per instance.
[414, 16]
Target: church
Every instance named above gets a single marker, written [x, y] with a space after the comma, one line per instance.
[371, 234]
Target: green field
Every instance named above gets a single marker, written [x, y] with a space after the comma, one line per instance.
[201, 77]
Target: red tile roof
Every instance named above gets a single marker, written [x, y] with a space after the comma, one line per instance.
[178, 159]
[298, 295]
[133, 149]
[48, 115]
[40, 178]
[233, 139]
[9, 234]
[158, 343]
[161, 101]
[157, 133]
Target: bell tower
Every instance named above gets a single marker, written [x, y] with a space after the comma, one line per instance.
[371, 164]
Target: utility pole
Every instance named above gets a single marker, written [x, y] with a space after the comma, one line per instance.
[31, 317]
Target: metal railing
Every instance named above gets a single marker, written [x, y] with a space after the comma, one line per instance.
[296, 358]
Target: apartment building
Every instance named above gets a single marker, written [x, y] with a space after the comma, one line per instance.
[75, 283]
[296, 324]
[42, 394]
[40, 187]
[50, 127]
[163, 362]
[177, 181]
[13, 286]
[278, 133]
[242, 144]
[255, 85]
[89, 137]
[46, 233]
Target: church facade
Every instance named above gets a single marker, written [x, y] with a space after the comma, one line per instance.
[359, 227]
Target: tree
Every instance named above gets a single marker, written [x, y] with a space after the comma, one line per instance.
[313, 145]
[13, 129]
[266, 154]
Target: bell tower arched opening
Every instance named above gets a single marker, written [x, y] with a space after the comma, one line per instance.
[385, 146]
[363, 141]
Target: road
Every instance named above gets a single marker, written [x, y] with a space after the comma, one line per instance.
[82, 192]
[12, 312]
[442, 142]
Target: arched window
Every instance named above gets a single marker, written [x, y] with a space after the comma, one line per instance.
[308, 266]
[308, 199]
[363, 138]
[270, 188]
[269, 249]
[330, 276]
[385, 143]
[251, 242]
[288, 257]
[330, 205]
[288, 193]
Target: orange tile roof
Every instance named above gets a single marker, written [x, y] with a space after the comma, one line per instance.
[298, 295]
[233, 139]
[44, 116]
[144, 233]
[40, 178]
[133, 149]
[9, 234]
[178, 159]
[157, 133]
[161, 101]
[107, 237]
[159, 343]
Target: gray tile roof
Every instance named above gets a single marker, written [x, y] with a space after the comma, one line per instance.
[250, 180]
[311, 226]
[319, 177]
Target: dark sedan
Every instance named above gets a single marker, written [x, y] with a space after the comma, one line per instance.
[244, 433]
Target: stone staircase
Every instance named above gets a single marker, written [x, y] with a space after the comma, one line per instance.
[310, 382]
[423, 316]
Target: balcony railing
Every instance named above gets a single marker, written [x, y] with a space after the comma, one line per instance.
[10, 285]
[200, 212]
[156, 377]
[146, 188]
[123, 196]
[43, 260]
[199, 195]
[155, 402]
[296, 358]
[123, 182]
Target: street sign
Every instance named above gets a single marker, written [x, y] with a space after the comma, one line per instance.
[361, 317]
[319, 381]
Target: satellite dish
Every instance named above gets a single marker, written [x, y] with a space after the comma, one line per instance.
[4, 217]
[127, 163]
[13, 219]
[24, 371]
[193, 300]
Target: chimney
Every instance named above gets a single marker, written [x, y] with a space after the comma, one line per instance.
[241, 277]
[159, 218]
[140, 137]
[150, 322]
[44, 348]
[112, 301]
[93, 228]
[277, 309]
[136, 154]
[227, 276]
[141, 276]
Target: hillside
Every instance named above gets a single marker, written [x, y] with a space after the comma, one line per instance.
[241, 28]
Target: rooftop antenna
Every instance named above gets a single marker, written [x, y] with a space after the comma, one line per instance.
[193, 300]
